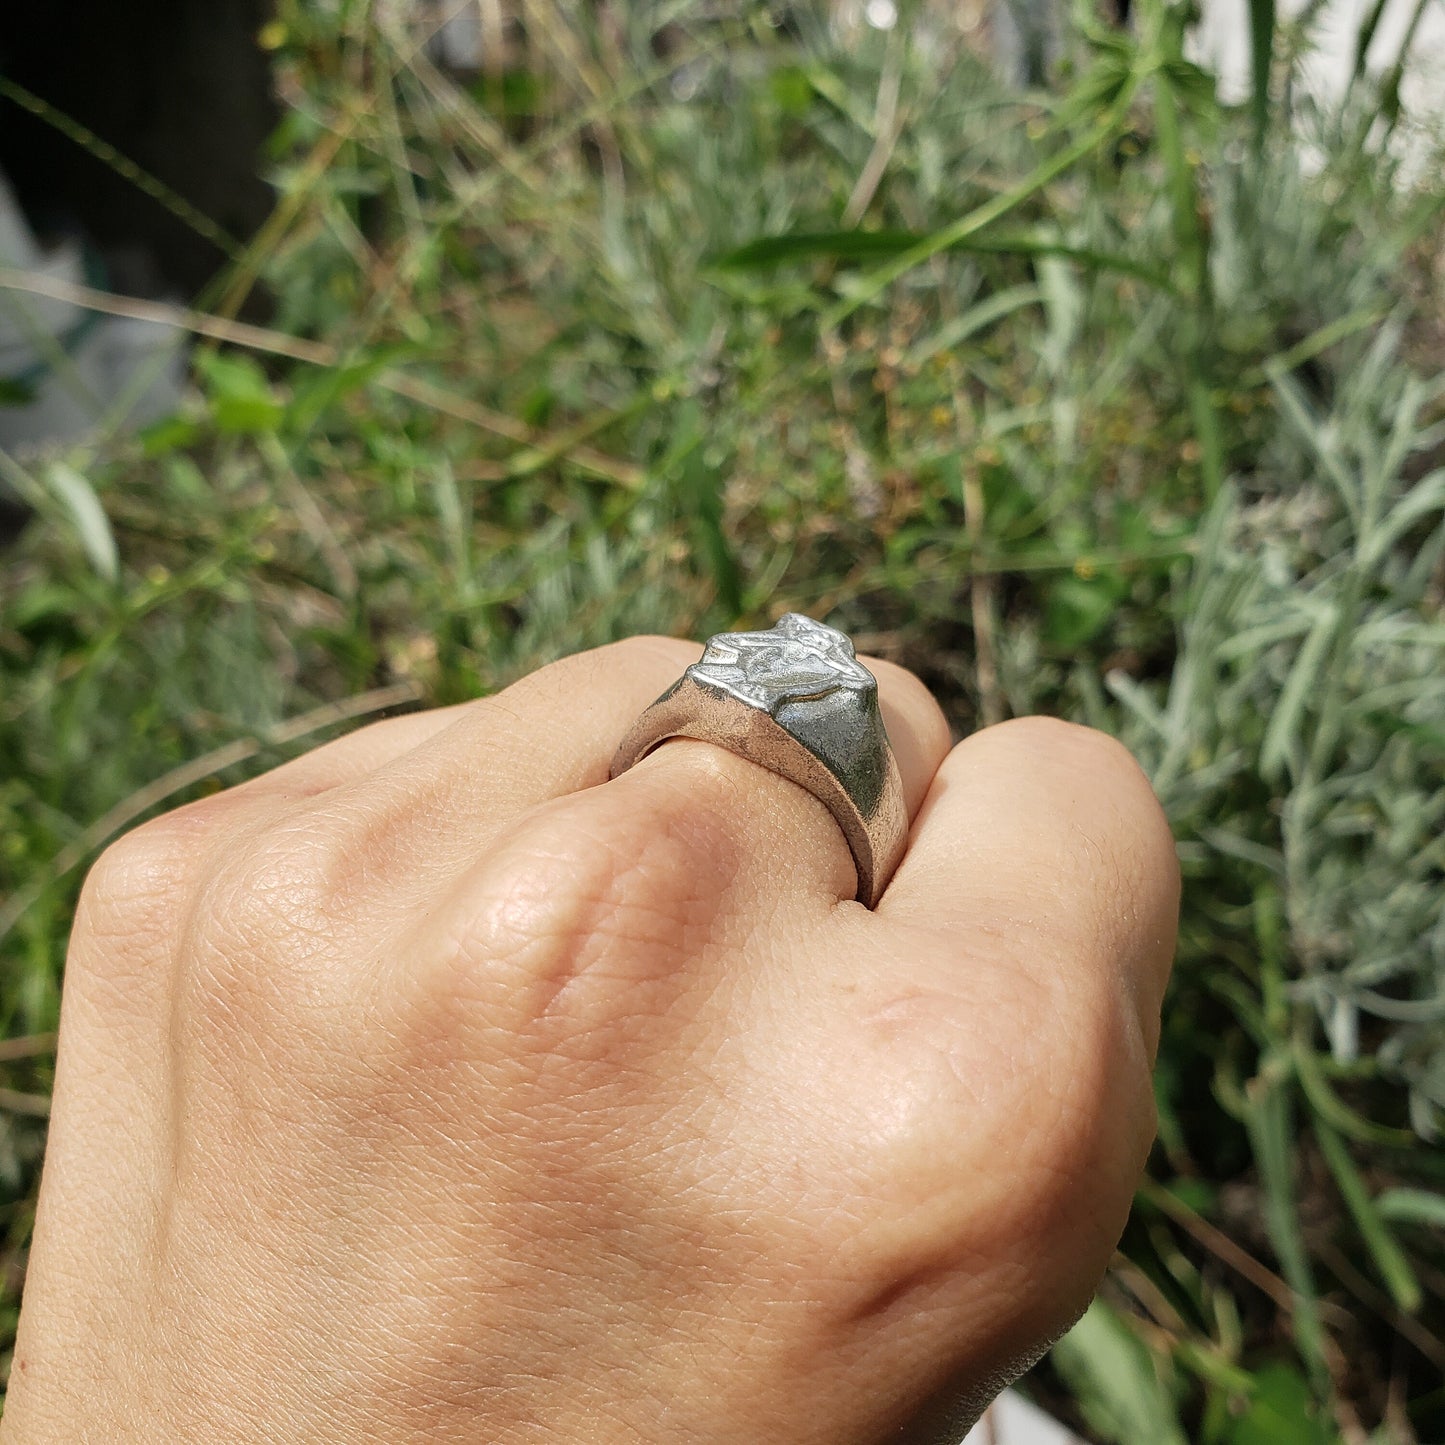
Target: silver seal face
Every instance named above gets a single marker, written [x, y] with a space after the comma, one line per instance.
[797, 701]
[799, 660]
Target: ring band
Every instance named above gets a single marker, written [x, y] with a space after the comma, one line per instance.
[797, 701]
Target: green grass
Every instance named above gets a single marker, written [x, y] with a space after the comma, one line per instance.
[1089, 402]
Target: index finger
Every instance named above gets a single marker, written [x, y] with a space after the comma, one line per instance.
[1037, 827]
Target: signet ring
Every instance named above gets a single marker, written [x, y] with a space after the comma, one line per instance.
[795, 700]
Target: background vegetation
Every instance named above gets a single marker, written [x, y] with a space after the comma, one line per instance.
[1110, 400]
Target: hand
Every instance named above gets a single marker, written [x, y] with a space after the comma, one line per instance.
[432, 1088]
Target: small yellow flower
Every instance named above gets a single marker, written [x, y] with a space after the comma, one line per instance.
[940, 415]
[1084, 569]
[272, 35]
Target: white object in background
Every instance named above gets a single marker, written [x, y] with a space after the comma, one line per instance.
[1011, 1420]
[73, 365]
[1220, 41]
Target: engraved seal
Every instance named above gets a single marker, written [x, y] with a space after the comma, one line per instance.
[797, 661]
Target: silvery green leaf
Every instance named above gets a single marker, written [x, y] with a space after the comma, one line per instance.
[92, 526]
[1282, 736]
[1116, 1381]
[1412, 1206]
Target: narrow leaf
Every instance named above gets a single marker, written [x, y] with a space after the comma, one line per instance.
[1412, 1206]
[1365, 36]
[92, 526]
[1270, 1126]
[1282, 734]
[1388, 1256]
[1261, 53]
[975, 319]
[977, 219]
[859, 245]
[1114, 1378]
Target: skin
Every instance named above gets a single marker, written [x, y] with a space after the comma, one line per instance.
[432, 1087]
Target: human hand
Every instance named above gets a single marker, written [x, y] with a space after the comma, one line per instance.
[431, 1088]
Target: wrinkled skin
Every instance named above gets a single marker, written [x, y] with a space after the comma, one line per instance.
[433, 1088]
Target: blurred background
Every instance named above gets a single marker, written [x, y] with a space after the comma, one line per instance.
[358, 355]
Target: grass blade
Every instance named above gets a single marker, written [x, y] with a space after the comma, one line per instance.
[1412, 1206]
[856, 245]
[1261, 53]
[1113, 1374]
[955, 332]
[1389, 1259]
[1270, 1127]
[985, 215]
[88, 517]
[1282, 734]
[1365, 37]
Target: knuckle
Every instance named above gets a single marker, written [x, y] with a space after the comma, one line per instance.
[1088, 746]
[1112, 769]
[1022, 1142]
[265, 928]
[134, 887]
[130, 917]
[582, 916]
[275, 885]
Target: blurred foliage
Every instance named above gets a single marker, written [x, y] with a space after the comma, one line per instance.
[1112, 401]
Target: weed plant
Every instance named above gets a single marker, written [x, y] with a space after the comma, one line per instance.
[1112, 401]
